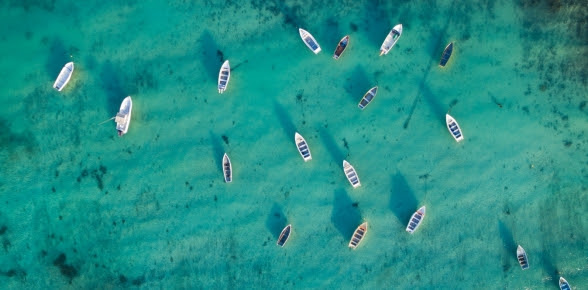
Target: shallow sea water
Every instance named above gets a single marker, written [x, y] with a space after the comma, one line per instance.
[82, 208]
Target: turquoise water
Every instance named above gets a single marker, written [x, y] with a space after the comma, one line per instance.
[83, 208]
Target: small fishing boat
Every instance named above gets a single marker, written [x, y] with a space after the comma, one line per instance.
[446, 54]
[358, 235]
[391, 39]
[64, 76]
[302, 147]
[522, 257]
[351, 174]
[284, 235]
[309, 41]
[415, 220]
[368, 97]
[123, 117]
[227, 168]
[453, 128]
[224, 75]
[341, 47]
[563, 284]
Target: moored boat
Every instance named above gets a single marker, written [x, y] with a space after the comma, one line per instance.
[341, 47]
[415, 220]
[224, 75]
[309, 41]
[358, 235]
[522, 258]
[284, 235]
[227, 168]
[446, 54]
[563, 284]
[453, 128]
[368, 97]
[391, 39]
[351, 174]
[302, 147]
[123, 117]
[64, 76]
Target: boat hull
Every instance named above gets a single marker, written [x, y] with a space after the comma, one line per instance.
[123, 118]
[391, 39]
[358, 235]
[224, 75]
[302, 146]
[415, 220]
[284, 235]
[309, 40]
[341, 47]
[453, 128]
[351, 174]
[64, 76]
[446, 54]
[368, 98]
[227, 168]
[522, 258]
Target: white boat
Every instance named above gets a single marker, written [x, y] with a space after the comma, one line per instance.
[284, 235]
[309, 41]
[368, 97]
[453, 128]
[302, 147]
[64, 76]
[358, 235]
[391, 39]
[563, 284]
[351, 174]
[415, 220]
[522, 257]
[123, 117]
[224, 75]
[227, 168]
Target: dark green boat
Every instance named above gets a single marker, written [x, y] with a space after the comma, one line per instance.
[446, 54]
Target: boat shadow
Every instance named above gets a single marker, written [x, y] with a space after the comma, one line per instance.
[57, 58]
[548, 266]
[379, 29]
[109, 77]
[509, 246]
[291, 18]
[212, 56]
[358, 84]
[217, 150]
[276, 221]
[332, 147]
[345, 216]
[402, 200]
[286, 121]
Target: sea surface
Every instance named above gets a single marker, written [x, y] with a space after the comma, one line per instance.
[81, 208]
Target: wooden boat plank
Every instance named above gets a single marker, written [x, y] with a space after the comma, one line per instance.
[343, 43]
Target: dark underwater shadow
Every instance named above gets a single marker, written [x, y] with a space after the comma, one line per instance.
[110, 79]
[358, 84]
[378, 23]
[547, 264]
[276, 221]
[402, 200]
[285, 120]
[345, 216]
[509, 246]
[332, 147]
[291, 16]
[217, 150]
[212, 56]
[57, 58]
